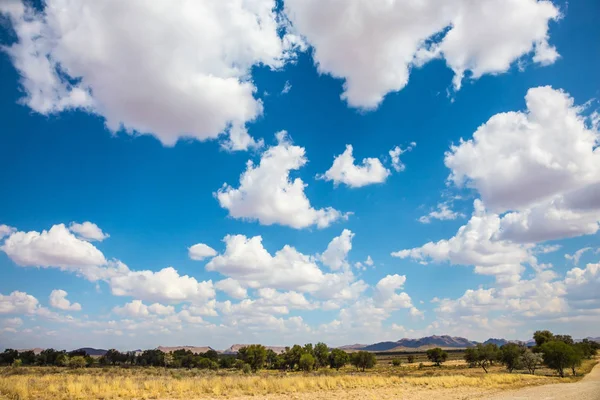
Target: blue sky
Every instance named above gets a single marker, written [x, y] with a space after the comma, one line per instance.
[126, 135]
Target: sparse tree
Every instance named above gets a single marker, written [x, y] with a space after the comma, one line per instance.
[531, 360]
[396, 362]
[363, 360]
[510, 355]
[338, 358]
[437, 356]
[482, 355]
[410, 359]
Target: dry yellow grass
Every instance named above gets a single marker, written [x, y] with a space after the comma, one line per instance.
[66, 385]
[157, 383]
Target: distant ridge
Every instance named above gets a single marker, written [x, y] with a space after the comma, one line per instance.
[193, 349]
[93, 352]
[445, 341]
[236, 347]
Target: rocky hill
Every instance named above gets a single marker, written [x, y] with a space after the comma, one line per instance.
[447, 342]
[236, 347]
[193, 349]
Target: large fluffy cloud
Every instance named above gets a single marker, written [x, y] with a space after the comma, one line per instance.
[56, 247]
[170, 69]
[542, 165]
[267, 194]
[345, 171]
[247, 263]
[517, 159]
[246, 260]
[18, 303]
[476, 244]
[374, 44]
[165, 286]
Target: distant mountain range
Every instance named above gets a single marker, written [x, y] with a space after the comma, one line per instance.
[424, 343]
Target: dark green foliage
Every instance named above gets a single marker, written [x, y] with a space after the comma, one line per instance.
[8, 356]
[321, 354]
[559, 355]
[410, 359]
[50, 357]
[363, 360]
[271, 359]
[227, 362]
[396, 362]
[540, 338]
[338, 358]
[27, 357]
[588, 348]
[437, 356]
[254, 355]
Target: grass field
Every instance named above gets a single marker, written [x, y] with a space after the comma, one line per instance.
[43, 383]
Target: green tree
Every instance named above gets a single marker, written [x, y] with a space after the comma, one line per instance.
[338, 358]
[565, 338]
[510, 355]
[483, 355]
[62, 360]
[114, 356]
[271, 359]
[588, 348]
[321, 353]
[254, 355]
[28, 357]
[363, 360]
[437, 356]
[410, 359]
[541, 337]
[17, 362]
[8, 356]
[212, 355]
[558, 356]
[396, 362]
[576, 359]
[531, 360]
[307, 362]
[77, 362]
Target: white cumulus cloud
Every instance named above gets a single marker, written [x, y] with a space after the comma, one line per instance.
[88, 231]
[344, 170]
[172, 69]
[373, 45]
[58, 299]
[267, 194]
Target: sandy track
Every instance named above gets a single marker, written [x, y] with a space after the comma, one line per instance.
[586, 389]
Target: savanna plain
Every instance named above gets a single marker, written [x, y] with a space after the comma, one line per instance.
[392, 376]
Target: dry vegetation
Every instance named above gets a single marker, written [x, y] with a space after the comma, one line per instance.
[157, 383]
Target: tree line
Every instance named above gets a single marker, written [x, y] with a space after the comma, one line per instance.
[249, 358]
[558, 352]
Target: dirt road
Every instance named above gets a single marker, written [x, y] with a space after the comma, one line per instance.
[586, 389]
